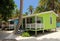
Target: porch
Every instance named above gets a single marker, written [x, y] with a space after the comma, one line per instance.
[33, 23]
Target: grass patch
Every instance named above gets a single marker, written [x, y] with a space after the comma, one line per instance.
[25, 34]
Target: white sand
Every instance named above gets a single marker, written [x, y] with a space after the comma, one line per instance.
[54, 35]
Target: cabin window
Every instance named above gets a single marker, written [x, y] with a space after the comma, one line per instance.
[50, 20]
[40, 20]
[31, 20]
[11, 22]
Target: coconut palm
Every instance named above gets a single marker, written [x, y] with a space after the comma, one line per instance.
[39, 9]
[31, 9]
[17, 13]
[49, 5]
[20, 17]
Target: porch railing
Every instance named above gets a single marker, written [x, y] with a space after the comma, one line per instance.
[33, 25]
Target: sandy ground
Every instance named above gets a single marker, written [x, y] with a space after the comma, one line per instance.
[54, 36]
[4, 34]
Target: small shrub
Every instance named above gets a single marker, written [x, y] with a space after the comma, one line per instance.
[25, 34]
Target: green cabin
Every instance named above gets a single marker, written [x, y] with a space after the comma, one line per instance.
[41, 21]
[37, 22]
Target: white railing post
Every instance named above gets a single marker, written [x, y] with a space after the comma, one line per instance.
[35, 25]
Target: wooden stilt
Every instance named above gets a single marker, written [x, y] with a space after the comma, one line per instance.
[43, 31]
[36, 33]
[22, 24]
[55, 29]
[25, 23]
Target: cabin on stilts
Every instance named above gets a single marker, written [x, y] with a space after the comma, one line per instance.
[41, 21]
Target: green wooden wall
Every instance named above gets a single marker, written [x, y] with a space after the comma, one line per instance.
[46, 21]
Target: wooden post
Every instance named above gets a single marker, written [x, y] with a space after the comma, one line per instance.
[43, 31]
[55, 29]
[22, 24]
[35, 25]
[25, 22]
[35, 32]
[30, 24]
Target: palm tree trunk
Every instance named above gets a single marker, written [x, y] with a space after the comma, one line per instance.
[31, 11]
[52, 5]
[20, 17]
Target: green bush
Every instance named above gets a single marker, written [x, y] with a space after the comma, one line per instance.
[25, 34]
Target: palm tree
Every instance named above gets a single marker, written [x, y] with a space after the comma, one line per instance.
[31, 9]
[17, 13]
[39, 9]
[20, 17]
[49, 5]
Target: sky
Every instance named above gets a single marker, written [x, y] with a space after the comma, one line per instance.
[26, 4]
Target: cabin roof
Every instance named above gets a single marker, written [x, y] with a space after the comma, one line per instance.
[50, 12]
